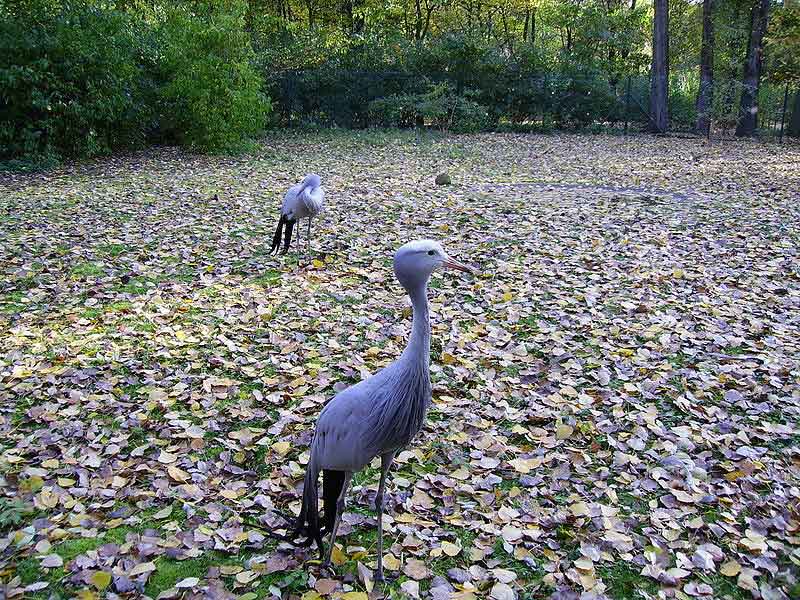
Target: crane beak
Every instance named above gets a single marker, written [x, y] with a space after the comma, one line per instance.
[452, 263]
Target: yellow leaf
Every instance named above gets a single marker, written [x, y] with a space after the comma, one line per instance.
[391, 562]
[354, 596]
[282, 448]
[245, 577]
[580, 509]
[318, 264]
[450, 549]
[51, 463]
[338, 557]
[101, 579]
[448, 358]
[177, 474]
[734, 475]
[563, 431]
[165, 457]
[730, 568]
[146, 567]
[525, 465]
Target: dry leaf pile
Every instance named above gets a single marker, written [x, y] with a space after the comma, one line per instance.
[616, 397]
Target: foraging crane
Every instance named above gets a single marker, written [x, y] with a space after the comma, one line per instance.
[377, 416]
[304, 200]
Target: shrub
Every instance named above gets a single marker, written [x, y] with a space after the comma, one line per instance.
[439, 107]
[70, 82]
[211, 94]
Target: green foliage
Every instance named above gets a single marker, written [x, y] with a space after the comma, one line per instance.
[783, 43]
[79, 80]
[439, 107]
[212, 94]
[13, 512]
[71, 81]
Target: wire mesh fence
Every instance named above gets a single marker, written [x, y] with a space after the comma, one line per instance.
[343, 97]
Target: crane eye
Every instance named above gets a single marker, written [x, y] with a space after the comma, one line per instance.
[431, 252]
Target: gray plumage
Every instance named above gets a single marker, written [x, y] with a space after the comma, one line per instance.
[379, 415]
[303, 201]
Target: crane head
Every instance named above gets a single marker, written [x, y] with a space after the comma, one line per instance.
[415, 261]
[312, 181]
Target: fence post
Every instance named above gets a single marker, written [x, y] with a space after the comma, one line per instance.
[627, 103]
[783, 112]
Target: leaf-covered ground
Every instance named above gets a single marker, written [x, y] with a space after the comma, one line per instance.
[616, 397]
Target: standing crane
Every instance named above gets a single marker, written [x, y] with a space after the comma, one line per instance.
[304, 200]
[375, 417]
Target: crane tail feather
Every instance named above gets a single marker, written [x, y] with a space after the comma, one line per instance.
[287, 236]
[276, 239]
[332, 483]
[307, 523]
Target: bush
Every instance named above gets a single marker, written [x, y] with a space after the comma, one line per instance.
[439, 107]
[211, 94]
[79, 80]
[70, 82]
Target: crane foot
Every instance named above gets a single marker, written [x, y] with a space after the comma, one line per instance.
[384, 578]
[325, 568]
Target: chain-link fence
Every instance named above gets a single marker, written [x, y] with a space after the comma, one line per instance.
[512, 99]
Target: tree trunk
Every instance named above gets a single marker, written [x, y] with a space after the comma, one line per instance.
[533, 27]
[794, 122]
[705, 95]
[751, 79]
[659, 74]
[525, 27]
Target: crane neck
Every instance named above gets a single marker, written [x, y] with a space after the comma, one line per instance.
[419, 344]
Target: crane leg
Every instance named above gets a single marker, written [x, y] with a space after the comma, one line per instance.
[339, 510]
[299, 228]
[308, 237]
[386, 463]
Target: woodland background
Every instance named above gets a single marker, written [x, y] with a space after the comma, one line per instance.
[79, 79]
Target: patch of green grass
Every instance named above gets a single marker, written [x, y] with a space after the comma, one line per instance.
[736, 350]
[169, 572]
[139, 324]
[29, 572]
[711, 515]
[512, 370]
[528, 326]
[12, 302]
[523, 570]
[87, 269]
[268, 278]
[69, 549]
[92, 314]
[367, 475]
[678, 360]
[26, 283]
[135, 287]
[113, 250]
[624, 582]
[119, 306]
[634, 504]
